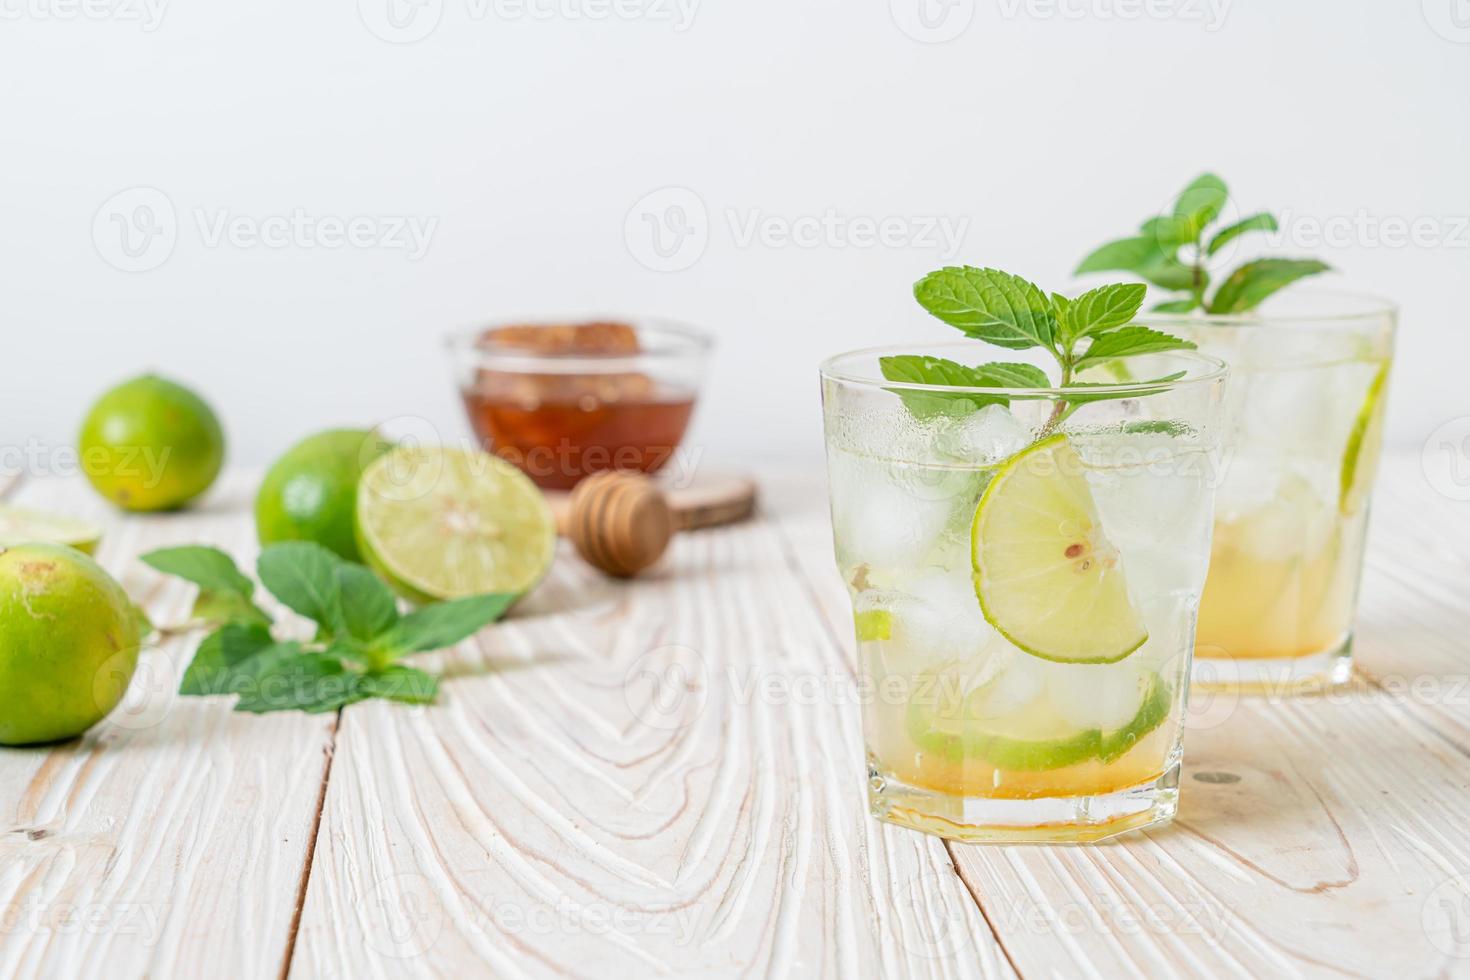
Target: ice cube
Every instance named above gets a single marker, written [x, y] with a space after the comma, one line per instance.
[1299, 520]
[1247, 482]
[939, 615]
[1011, 690]
[1104, 696]
[983, 437]
[879, 520]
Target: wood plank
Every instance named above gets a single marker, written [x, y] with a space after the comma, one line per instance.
[608, 789]
[1316, 836]
[172, 838]
[1414, 616]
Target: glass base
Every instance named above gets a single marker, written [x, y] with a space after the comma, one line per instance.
[1314, 672]
[1047, 820]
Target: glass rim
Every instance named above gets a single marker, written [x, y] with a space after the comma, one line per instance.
[675, 337]
[672, 339]
[1371, 307]
[1215, 370]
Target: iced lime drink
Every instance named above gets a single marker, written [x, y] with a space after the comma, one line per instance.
[1304, 432]
[1025, 561]
[1309, 384]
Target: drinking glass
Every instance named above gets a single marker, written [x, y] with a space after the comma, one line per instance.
[1025, 574]
[1304, 429]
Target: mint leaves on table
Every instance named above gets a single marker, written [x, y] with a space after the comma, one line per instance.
[999, 308]
[359, 640]
[224, 593]
[1154, 255]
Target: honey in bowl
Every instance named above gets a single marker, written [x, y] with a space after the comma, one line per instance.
[562, 401]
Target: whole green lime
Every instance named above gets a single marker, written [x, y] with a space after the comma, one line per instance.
[69, 641]
[310, 493]
[151, 444]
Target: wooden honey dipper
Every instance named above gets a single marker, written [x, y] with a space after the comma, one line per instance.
[620, 522]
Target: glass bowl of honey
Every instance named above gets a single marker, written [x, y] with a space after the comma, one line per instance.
[565, 399]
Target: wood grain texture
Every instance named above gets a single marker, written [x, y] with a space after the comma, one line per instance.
[643, 779]
[171, 839]
[664, 777]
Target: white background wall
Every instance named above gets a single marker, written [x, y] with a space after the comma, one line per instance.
[528, 131]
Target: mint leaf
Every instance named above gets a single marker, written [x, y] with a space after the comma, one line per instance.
[287, 680]
[1102, 309]
[225, 659]
[1247, 286]
[303, 576]
[1256, 222]
[226, 607]
[368, 606]
[1169, 232]
[400, 683]
[1185, 305]
[1006, 374]
[443, 624]
[1079, 393]
[225, 593]
[1124, 255]
[208, 568]
[1200, 203]
[1167, 272]
[1167, 427]
[1129, 341]
[1143, 258]
[989, 305]
[920, 369]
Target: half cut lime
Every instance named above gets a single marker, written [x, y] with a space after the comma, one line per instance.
[20, 525]
[1046, 576]
[447, 523]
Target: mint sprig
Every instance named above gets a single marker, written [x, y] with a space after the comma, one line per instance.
[1005, 310]
[1171, 250]
[360, 633]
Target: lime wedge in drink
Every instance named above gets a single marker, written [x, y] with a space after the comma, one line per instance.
[446, 523]
[1046, 576]
[1034, 740]
[1363, 446]
[19, 525]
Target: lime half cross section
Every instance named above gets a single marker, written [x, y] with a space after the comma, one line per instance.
[20, 525]
[447, 523]
[1046, 576]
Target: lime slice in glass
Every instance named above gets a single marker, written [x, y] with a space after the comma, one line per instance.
[1046, 576]
[1364, 444]
[1039, 738]
[19, 525]
[446, 523]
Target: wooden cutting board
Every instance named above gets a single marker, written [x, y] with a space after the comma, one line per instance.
[706, 500]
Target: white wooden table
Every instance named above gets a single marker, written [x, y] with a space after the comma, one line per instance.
[666, 778]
